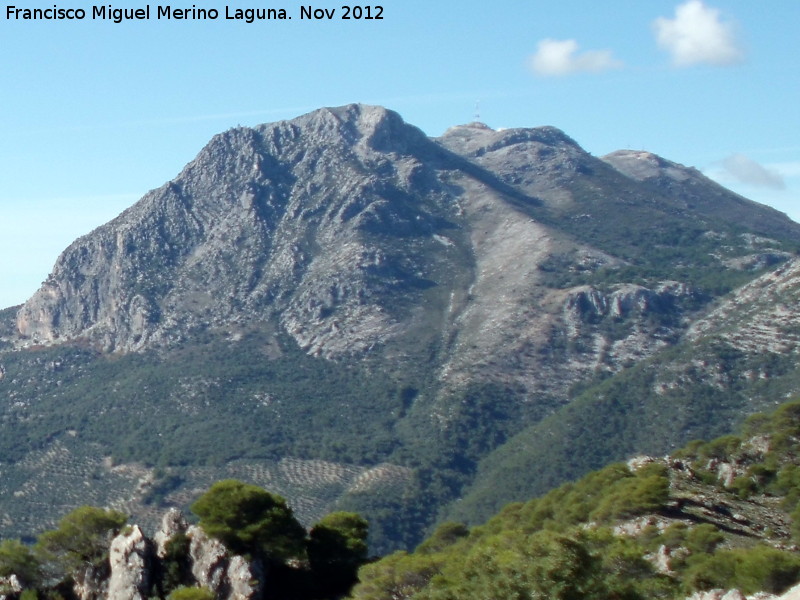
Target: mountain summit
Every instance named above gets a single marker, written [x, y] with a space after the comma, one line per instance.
[355, 234]
[419, 300]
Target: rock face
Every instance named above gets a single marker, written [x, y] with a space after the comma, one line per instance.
[134, 562]
[209, 560]
[10, 586]
[129, 558]
[265, 221]
[172, 524]
[91, 583]
[350, 230]
[229, 576]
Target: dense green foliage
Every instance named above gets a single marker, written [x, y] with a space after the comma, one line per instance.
[18, 559]
[250, 520]
[82, 538]
[175, 566]
[191, 593]
[751, 570]
[616, 417]
[337, 547]
[562, 544]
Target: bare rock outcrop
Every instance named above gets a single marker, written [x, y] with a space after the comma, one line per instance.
[91, 583]
[172, 524]
[130, 558]
[10, 586]
[209, 560]
[230, 577]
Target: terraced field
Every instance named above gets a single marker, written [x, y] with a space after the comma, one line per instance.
[54, 480]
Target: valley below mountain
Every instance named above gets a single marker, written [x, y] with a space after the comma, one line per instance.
[357, 316]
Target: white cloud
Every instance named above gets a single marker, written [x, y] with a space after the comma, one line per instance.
[561, 57]
[745, 170]
[697, 35]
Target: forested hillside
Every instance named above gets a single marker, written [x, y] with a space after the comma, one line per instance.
[719, 514]
[723, 514]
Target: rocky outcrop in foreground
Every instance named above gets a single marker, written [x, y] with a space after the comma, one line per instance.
[138, 565]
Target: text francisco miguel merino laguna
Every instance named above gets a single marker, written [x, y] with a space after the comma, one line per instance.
[117, 15]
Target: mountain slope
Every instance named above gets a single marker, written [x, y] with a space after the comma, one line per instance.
[343, 291]
[740, 357]
[715, 515]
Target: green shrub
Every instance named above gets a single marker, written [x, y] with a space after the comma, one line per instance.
[638, 495]
[722, 448]
[17, 559]
[399, 575]
[443, 537]
[175, 565]
[250, 520]
[744, 487]
[337, 547]
[703, 538]
[751, 570]
[83, 537]
[191, 593]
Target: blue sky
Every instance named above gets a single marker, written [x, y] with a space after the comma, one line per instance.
[94, 114]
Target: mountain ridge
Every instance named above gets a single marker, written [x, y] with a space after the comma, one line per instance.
[342, 288]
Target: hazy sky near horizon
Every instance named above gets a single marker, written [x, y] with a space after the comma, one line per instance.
[95, 113]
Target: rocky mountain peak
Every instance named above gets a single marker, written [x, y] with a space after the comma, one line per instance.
[257, 213]
[342, 228]
[477, 139]
[641, 165]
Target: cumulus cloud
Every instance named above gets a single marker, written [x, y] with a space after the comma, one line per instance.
[698, 35]
[746, 170]
[561, 57]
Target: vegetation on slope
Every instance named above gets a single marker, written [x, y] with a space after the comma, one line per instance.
[718, 514]
[713, 516]
[638, 410]
[248, 520]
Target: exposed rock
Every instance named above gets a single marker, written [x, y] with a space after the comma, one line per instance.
[636, 527]
[209, 561]
[91, 583]
[245, 579]
[759, 317]
[172, 523]
[129, 558]
[9, 586]
[662, 560]
[726, 472]
[735, 594]
[230, 577]
[637, 462]
[715, 594]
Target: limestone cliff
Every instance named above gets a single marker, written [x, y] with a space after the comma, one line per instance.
[354, 233]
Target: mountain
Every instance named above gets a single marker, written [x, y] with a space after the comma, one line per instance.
[361, 317]
[740, 354]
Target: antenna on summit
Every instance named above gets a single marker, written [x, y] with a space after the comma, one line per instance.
[477, 111]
